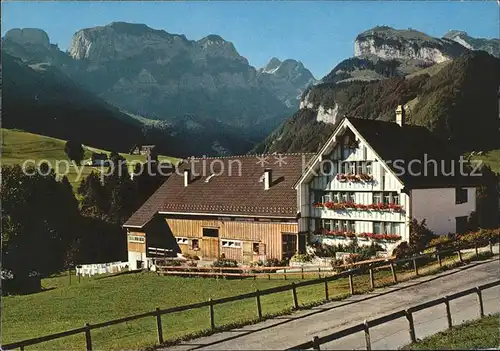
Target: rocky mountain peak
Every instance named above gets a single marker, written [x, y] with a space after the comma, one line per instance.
[271, 66]
[32, 36]
[390, 43]
[491, 46]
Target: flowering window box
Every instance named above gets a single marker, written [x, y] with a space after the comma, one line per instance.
[386, 237]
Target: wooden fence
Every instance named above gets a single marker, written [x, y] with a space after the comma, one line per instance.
[157, 313]
[408, 314]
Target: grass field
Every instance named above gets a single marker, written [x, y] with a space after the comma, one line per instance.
[480, 334]
[97, 299]
[19, 146]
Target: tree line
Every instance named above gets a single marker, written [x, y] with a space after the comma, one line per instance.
[47, 228]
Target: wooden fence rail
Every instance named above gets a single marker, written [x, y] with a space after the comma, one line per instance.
[157, 313]
[408, 313]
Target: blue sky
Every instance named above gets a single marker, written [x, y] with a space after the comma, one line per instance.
[318, 33]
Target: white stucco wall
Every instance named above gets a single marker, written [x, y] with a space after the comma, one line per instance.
[133, 257]
[438, 208]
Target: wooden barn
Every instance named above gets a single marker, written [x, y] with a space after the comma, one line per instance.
[241, 207]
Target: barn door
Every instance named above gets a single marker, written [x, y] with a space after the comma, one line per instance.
[210, 243]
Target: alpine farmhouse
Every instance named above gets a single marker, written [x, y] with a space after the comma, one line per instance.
[368, 180]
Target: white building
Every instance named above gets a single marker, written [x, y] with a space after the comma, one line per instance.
[371, 177]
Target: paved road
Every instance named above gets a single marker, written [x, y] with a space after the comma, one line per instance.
[286, 331]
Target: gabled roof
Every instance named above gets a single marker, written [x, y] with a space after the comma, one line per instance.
[397, 146]
[409, 143]
[237, 193]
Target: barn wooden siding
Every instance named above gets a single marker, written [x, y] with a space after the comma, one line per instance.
[136, 246]
[267, 234]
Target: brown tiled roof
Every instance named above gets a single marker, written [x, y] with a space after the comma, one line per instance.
[230, 193]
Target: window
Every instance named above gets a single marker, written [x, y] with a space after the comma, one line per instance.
[460, 196]
[344, 197]
[345, 167]
[336, 225]
[195, 244]
[395, 228]
[387, 198]
[183, 241]
[388, 228]
[368, 168]
[345, 226]
[377, 228]
[360, 168]
[326, 198]
[136, 239]
[326, 223]
[395, 198]
[352, 167]
[336, 197]
[352, 197]
[231, 243]
[211, 232]
[255, 248]
[377, 198]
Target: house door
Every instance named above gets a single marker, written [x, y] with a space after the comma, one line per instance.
[289, 247]
[210, 244]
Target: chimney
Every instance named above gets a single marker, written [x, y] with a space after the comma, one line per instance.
[400, 115]
[187, 176]
[267, 178]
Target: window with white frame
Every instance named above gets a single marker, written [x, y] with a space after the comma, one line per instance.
[344, 197]
[395, 198]
[231, 243]
[136, 239]
[387, 198]
[326, 224]
[387, 228]
[351, 197]
[336, 197]
[395, 228]
[368, 167]
[183, 241]
[377, 198]
[377, 228]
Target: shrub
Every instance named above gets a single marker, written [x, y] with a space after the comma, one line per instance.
[403, 250]
[190, 257]
[225, 262]
[173, 263]
[352, 258]
[303, 258]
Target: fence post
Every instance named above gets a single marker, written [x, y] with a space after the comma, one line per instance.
[284, 271]
[367, 336]
[393, 271]
[460, 256]
[212, 317]
[372, 280]
[448, 312]
[475, 249]
[411, 326]
[69, 276]
[316, 343]
[415, 267]
[88, 338]
[491, 246]
[159, 326]
[259, 307]
[295, 299]
[326, 290]
[439, 260]
[319, 272]
[302, 269]
[480, 300]
[351, 284]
